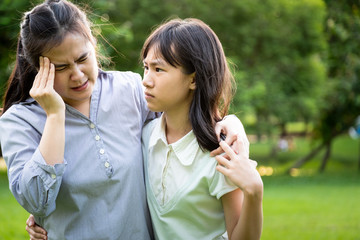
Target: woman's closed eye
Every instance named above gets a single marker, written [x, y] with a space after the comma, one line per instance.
[82, 59]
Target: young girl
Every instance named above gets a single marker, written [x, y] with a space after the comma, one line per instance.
[190, 194]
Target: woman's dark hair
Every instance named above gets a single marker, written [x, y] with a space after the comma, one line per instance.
[41, 29]
[191, 44]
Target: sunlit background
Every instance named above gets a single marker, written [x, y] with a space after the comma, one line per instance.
[297, 67]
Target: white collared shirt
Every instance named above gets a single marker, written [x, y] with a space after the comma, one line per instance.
[183, 187]
[171, 166]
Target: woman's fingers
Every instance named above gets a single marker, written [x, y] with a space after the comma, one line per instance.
[51, 77]
[45, 73]
[39, 74]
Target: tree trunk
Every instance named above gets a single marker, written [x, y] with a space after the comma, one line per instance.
[326, 157]
[305, 159]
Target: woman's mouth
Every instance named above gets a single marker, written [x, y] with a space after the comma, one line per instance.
[81, 87]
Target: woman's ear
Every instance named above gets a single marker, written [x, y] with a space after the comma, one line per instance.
[192, 83]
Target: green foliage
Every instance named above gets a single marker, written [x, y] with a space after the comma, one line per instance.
[10, 16]
[343, 96]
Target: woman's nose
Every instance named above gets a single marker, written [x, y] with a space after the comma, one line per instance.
[76, 73]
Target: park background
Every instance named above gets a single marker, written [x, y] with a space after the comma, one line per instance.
[297, 67]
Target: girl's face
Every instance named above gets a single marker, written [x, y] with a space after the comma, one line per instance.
[76, 69]
[167, 88]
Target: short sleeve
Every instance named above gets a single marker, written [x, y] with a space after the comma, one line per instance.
[220, 185]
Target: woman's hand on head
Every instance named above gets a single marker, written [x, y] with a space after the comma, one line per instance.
[232, 129]
[35, 231]
[43, 88]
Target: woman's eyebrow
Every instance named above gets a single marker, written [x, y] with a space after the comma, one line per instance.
[82, 56]
[65, 64]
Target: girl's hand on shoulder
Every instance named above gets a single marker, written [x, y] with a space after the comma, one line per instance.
[231, 129]
[35, 231]
[43, 88]
[240, 169]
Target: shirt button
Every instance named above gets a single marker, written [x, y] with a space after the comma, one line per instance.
[97, 137]
[107, 164]
[92, 125]
[102, 151]
[53, 176]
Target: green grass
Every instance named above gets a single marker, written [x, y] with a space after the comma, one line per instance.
[321, 207]
[12, 215]
[310, 206]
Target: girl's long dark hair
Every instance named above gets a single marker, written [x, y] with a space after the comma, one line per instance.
[191, 44]
[42, 28]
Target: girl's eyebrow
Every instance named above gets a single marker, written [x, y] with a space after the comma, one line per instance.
[155, 62]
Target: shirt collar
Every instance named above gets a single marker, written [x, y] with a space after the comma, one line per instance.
[185, 148]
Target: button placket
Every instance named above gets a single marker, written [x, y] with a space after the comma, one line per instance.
[101, 150]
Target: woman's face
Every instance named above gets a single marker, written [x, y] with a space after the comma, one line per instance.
[76, 69]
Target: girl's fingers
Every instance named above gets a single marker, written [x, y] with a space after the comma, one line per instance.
[253, 163]
[227, 149]
[219, 129]
[30, 221]
[230, 138]
[217, 151]
[33, 234]
[222, 161]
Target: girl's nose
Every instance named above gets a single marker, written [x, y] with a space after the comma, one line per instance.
[147, 82]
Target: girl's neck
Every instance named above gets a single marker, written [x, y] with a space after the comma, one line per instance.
[176, 126]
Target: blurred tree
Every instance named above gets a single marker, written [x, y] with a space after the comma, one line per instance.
[10, 17]
[343, 86]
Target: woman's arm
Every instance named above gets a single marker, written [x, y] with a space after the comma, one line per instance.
[242, 207]
[52, 141]
[33, 145]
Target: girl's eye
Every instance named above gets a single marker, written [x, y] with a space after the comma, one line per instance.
[146, 67]
[158, 69]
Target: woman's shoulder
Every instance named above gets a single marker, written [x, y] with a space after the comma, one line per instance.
[29, 109]
[120, 76]
[23, 115]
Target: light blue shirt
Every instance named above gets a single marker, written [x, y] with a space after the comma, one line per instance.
[99, 191]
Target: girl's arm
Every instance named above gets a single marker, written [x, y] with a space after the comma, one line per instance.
[242, 207]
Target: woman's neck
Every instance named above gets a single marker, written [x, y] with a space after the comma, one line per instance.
[83, 107]
[176, 126]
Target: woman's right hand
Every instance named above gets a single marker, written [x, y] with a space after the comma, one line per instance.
[35, 231]
[43, 88]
